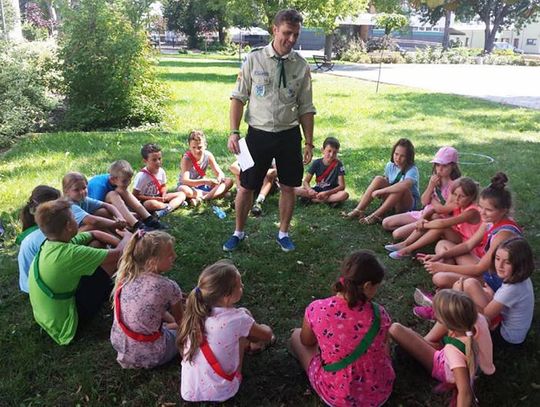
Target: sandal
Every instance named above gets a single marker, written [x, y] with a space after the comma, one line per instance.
[355, 213]
[370, 220]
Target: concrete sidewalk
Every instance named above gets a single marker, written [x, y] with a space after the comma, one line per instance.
[513, 85]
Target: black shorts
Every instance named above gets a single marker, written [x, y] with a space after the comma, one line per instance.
[285, 146]
[91, 293]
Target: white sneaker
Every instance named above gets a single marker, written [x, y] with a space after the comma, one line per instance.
[423, 299]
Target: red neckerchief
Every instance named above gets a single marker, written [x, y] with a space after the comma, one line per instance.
[196, 165]
[155, 181]
[132, 334]
[214, 363]
[327, 171]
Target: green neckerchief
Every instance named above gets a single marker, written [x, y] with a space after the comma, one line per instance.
[439, 195]
[21, 236]
[281, 67]
[448, 340]
[398, 178]
[364, 344]
[44, 287]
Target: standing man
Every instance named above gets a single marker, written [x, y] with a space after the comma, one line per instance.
[276, 83]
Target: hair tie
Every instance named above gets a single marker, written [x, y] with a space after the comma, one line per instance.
[469, 334]
[197, 290]
[140, 233]
[342, 281]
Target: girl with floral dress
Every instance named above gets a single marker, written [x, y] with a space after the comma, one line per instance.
[343, 344]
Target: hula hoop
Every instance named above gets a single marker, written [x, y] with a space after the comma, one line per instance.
[484, 159]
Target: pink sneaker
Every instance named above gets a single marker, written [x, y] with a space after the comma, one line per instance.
[422, 298]
[424, 313]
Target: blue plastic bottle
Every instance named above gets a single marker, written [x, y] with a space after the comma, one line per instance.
[219, 212]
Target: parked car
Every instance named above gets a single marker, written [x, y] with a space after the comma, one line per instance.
[506, 46]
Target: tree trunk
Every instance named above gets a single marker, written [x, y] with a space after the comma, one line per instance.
[446, 35]
[14, 29]
[328, 42]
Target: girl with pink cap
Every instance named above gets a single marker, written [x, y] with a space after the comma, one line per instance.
[434, 198]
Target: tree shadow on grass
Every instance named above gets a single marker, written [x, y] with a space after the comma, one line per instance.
[471, 112]
[196, 77]
[185, 63]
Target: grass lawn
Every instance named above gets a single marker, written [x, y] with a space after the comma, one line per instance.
[278, 286]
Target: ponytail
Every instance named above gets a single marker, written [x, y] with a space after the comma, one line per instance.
[216, 282]
[497, 192]
[357, 269]
[471, 352]
[191, 330]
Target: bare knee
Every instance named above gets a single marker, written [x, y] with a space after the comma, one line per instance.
[395, 329]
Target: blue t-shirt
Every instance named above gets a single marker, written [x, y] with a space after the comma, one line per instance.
[29, 247]
[99, 186]
[391, 172]
[89, 205]
[79, 214]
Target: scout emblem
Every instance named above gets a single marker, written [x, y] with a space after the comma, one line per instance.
[260, 90]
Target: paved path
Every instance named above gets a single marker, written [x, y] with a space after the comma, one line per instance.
[513, 85]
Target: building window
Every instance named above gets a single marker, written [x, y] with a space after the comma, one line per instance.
[531, 41]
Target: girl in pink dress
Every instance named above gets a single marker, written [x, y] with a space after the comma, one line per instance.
[342, 344]
[455, 347]
[214, 335]
[459, 227]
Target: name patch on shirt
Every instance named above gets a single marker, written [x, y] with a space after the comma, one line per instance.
[261, 73]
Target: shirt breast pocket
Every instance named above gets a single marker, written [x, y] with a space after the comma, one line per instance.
[289, 94]
[260, 86]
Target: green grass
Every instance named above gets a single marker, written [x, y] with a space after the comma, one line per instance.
[278, 286]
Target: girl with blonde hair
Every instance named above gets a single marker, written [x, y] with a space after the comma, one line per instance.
[456, 346]
[214, 335]
[147, 305]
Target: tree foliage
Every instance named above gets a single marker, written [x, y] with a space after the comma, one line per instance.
[495, 14]
[109, 76]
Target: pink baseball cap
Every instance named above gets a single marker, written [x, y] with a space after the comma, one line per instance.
[446, 155]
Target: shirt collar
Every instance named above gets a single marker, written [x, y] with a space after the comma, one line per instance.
[271, 53]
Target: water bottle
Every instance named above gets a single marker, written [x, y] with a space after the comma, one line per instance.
[219, 212]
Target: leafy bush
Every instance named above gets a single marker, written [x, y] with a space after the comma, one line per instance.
[386, 57]
[108, 68]
[436, 55]
[355, 51]
[27, 79]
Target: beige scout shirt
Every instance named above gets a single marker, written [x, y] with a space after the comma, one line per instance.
[273, 107]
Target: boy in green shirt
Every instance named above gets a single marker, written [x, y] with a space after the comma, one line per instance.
[68, 280]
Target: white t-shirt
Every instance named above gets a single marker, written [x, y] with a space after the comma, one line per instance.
[223, 328]
[144, 184]
[517, 313]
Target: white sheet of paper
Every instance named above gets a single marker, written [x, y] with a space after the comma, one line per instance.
[245, 160]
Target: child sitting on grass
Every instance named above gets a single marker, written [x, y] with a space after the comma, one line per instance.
[69, 281]
[113, 188]
[100, 215]
[31, 238]
[269, 186]
[398, 188]
[215, 334]
[150, 184]
[193, 180]
[343, 342]
[143, 298]
[329, 174]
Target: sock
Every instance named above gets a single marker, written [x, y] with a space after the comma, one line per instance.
[239, 234]
[281, 234]
[260, 199]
